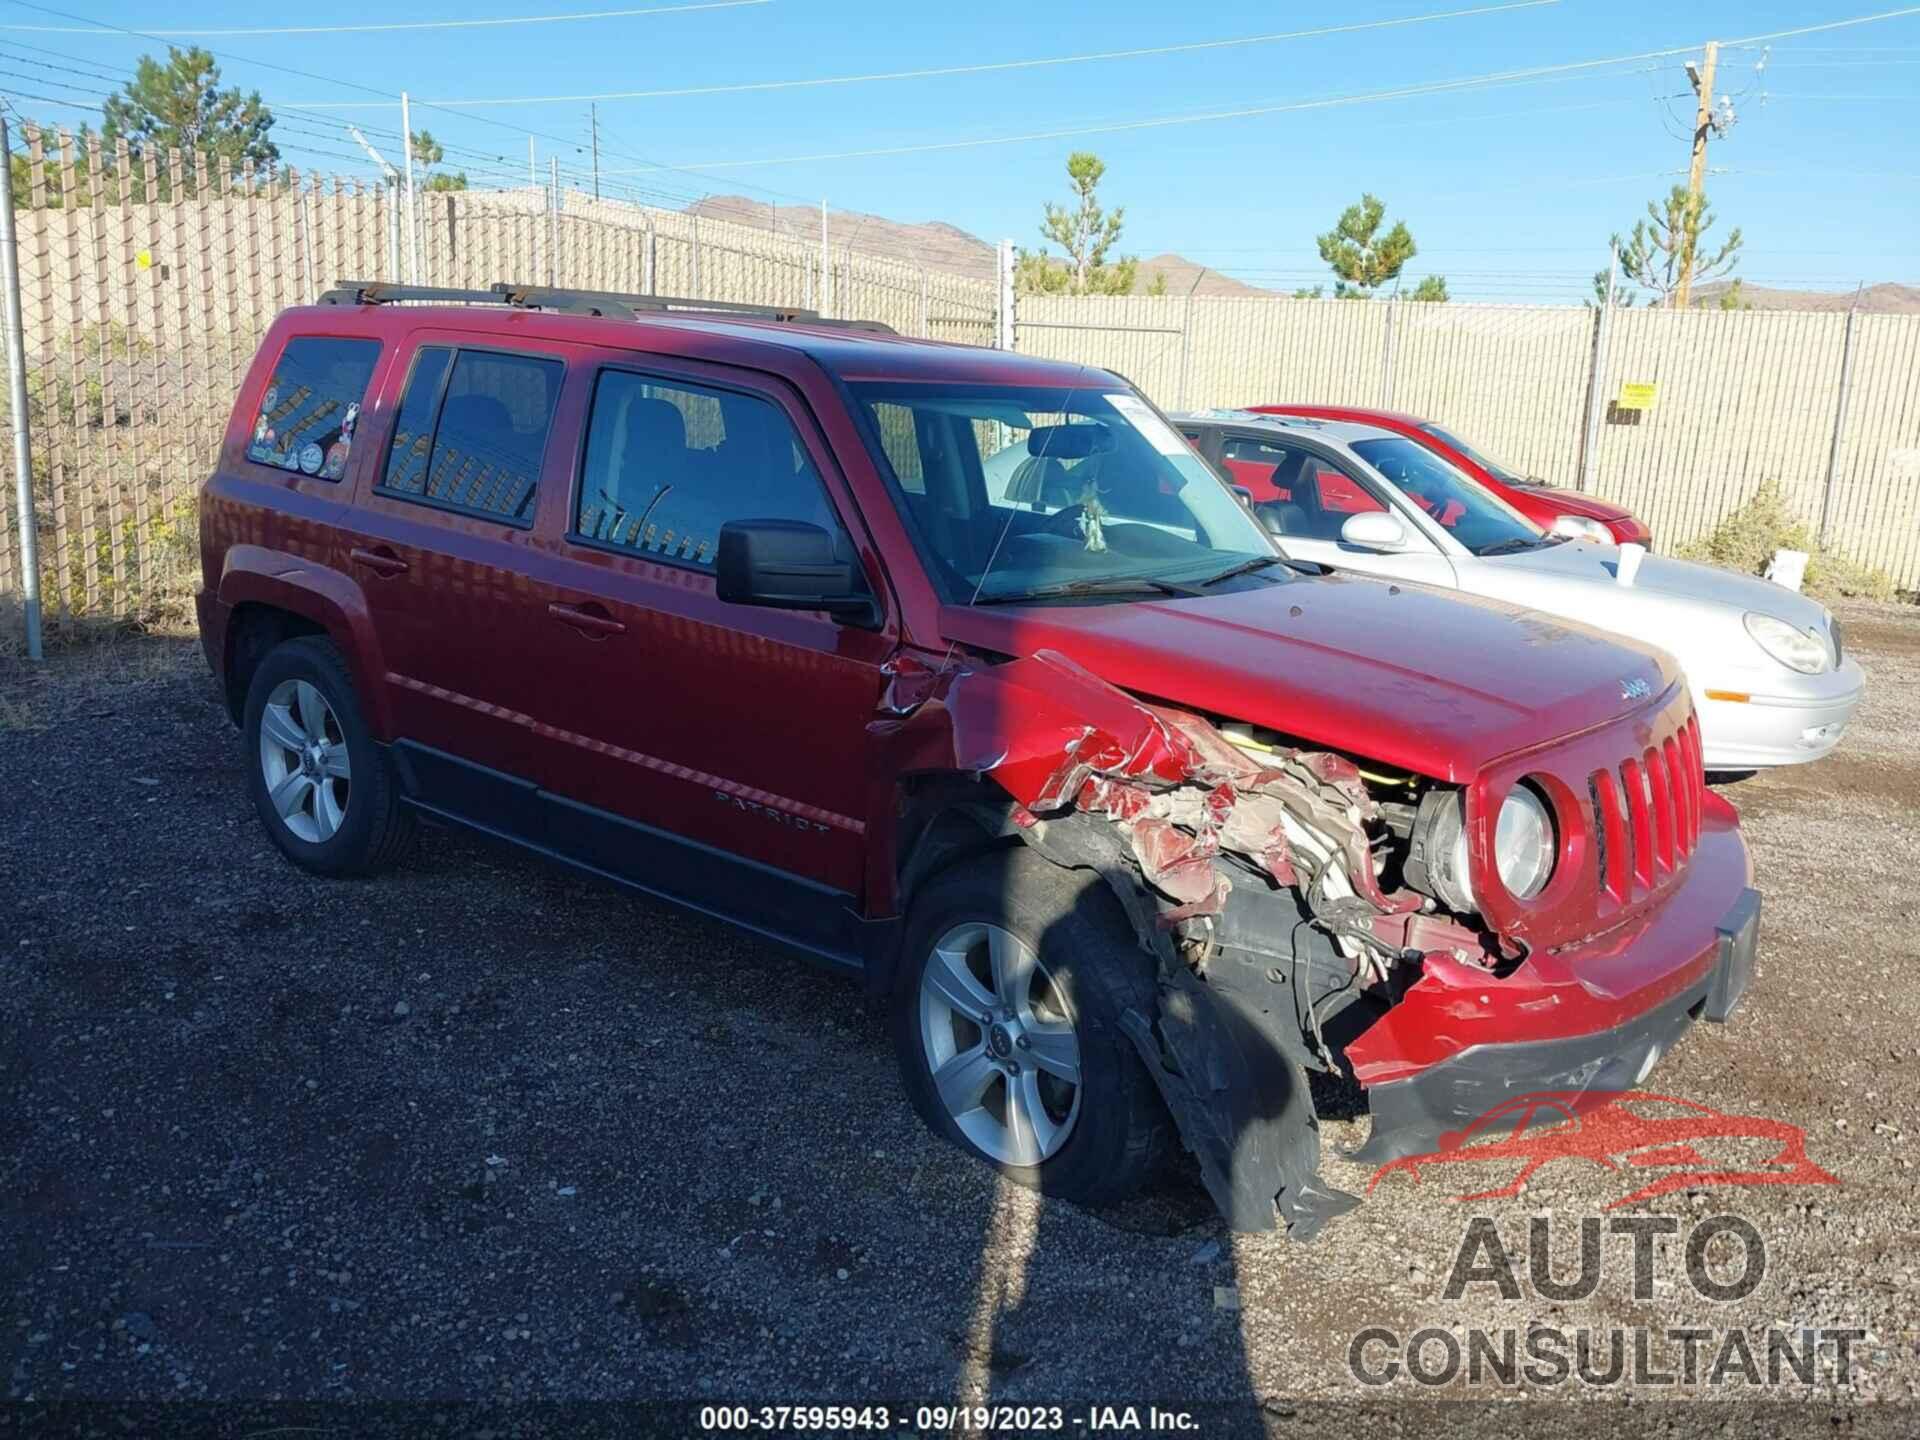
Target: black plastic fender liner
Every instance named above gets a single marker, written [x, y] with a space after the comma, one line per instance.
[1227, 1051]
[1242, 1105]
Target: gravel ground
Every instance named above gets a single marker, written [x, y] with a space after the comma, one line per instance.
[478, 1129]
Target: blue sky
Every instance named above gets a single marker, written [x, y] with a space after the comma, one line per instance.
[1510, 189]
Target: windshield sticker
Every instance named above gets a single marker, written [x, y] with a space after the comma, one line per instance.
[1162, 436]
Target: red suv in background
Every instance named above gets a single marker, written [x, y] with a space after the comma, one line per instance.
[957, 670]
[1581, 515]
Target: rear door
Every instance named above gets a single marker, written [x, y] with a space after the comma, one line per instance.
[712, 753]
[439, 543]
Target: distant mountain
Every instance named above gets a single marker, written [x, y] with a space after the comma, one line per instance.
[1886, 298]
[934, 243]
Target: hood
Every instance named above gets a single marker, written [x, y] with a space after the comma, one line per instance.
[1572, 502]
[1427, 680]
[1680, 579]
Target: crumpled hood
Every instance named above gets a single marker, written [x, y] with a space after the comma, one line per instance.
[1428, 680]
[1660, 574]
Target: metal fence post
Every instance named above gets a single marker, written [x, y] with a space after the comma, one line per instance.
[696, 257]
[1839, 417]
[1386, 356]
[553, 222]
[16, 341]
[393, 229]
[1007, 333]
[1603, 328]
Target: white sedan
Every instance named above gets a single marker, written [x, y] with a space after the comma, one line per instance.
[1771, 680]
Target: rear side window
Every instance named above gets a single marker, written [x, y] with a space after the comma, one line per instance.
[471, 431]
[668, 464]
[311, 403]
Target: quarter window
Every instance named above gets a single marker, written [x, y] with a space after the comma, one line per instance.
[310, 406]
[668, 464]
[472, 430]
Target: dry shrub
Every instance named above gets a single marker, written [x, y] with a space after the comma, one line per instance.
[1746, 539]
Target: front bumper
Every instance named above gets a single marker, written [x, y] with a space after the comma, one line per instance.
[1790, 728]
[1587, 1018]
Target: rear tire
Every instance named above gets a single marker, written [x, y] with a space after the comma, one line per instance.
[987, 1065]
[323, 787]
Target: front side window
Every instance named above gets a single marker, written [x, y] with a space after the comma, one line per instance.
[1466, 509]
[472, 431]
[1295, 491]
[1018, 492]
[669, 463]
[311, 405]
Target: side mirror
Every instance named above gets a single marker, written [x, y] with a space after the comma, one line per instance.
[1374, 530]
[791, 565]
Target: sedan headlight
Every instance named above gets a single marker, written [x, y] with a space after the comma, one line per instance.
[1580, 527]
[1523, 848]
[1795, 649]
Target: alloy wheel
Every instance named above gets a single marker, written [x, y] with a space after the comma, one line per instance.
[303, 757]
[998, 1039]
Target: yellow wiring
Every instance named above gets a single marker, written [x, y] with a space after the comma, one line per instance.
[1247, 742]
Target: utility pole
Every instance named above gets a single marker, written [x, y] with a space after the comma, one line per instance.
[1704, 125]
[16, 343]
[413, 228]
[593, 122]
[533, 166]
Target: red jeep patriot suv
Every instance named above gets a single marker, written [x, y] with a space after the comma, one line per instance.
[960, 671]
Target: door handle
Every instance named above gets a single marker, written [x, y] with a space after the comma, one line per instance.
[589, 619]
[381, 561]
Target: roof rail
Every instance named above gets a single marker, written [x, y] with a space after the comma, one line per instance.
[387, 292]
[613, 304]
[634, 301]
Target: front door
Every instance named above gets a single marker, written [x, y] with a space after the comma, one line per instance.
[1306, 496]
[712, 753]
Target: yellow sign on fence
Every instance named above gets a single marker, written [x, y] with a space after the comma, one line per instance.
[1636, 397]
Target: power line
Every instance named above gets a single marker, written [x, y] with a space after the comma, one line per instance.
[397, 24]
[991, 67]
[1528, 75]
[564, 143]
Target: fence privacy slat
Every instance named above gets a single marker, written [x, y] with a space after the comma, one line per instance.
[148, 279]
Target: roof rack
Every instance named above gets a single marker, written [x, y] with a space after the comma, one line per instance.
[612, 304]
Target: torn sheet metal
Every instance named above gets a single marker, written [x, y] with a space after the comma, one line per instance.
[1055, 736]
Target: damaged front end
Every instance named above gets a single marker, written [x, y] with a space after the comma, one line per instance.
[1253, 872]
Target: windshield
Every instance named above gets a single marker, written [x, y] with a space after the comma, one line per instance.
[1467, 510]
[1017, 492]
[1486, 462]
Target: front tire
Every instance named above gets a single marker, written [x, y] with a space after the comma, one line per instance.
[321, 784]
[1006, 1022]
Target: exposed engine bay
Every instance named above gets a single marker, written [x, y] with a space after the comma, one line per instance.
[1280, 888]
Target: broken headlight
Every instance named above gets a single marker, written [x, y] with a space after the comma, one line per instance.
[1523, 847]
[1436, 862]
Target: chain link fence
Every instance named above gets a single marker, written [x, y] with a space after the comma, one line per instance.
[147, 281]
[1824, 405]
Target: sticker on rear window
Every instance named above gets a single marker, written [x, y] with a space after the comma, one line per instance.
[1162, 436]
